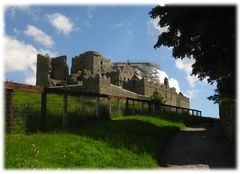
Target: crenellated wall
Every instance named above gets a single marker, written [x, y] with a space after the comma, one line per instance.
[94, 73]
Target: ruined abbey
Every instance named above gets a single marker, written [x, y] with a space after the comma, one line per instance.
[93, 73]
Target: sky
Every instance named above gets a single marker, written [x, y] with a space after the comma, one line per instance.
[117, 32]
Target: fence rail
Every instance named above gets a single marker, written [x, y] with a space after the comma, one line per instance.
[130, 104]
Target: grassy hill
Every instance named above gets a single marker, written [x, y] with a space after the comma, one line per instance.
[124, 142]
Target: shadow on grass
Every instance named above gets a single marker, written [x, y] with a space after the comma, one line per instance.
[188, 120]
[135, 135]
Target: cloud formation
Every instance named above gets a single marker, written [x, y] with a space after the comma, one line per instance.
[61, 23]
[13, 10]
[32, 71]
[191, 93]
[173, 83]
[186, 66]
[39, 36]
[153, 29]
[21, 57]
[18, 55]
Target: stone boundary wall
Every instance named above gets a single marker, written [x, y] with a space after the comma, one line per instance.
[117, 91]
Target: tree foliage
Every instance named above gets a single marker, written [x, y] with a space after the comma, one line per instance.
[207, 34]
[157, 98]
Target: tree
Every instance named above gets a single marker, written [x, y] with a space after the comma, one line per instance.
[157, 98]
[207, 34]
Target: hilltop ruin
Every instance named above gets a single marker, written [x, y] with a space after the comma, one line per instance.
[93, 73]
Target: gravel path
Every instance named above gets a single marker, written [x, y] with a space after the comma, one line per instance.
[202, 146]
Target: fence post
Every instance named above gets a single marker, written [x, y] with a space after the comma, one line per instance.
[126, 107]
[153, 107]
[9, 110]
[192, 112]
[149, 107]
[118, 105]
[142, 107]
[97, 108]
[109, 108]
[43, 111]
[200, 113]
[65, 114]
[133, 102]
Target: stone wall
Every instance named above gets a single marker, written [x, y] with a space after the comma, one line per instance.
[111, 89]
[91, 84]
[147, 87]
[101, 64]
[51, 71]
[127, 72]
[97, 74]
[135, 85]
[115, 77]
[44, 69]
[92, 61]
[59, 68]
[81, 62]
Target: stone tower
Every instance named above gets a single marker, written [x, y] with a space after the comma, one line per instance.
[51, 71]
[44, 69]
[91, 60]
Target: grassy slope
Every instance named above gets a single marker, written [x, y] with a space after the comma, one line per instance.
[127, 142]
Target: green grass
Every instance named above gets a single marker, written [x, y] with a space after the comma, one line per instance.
[126, 142]
[123, 142]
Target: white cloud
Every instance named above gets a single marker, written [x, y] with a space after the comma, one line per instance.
[61, 23]
[153, 29]
[161, 75]
[18, 55]
[31, 78]
[186, 65]
[39, 36]
[174, 83]
[155, 22]
[13, 10]
[191, 80]
[21, 57]
[49, 52]
[191, 93]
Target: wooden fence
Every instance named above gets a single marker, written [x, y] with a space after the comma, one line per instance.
[152, 107]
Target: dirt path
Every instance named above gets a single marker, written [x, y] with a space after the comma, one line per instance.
[201, 146]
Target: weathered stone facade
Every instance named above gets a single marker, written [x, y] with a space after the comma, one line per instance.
[94, 73]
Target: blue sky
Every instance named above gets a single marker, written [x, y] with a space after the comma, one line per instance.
[117, 32]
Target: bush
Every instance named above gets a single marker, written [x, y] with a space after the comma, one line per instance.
[157, 98]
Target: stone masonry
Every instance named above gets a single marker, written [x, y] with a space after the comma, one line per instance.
[93, 73]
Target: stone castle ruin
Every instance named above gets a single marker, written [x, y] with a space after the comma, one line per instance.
[93, 73]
